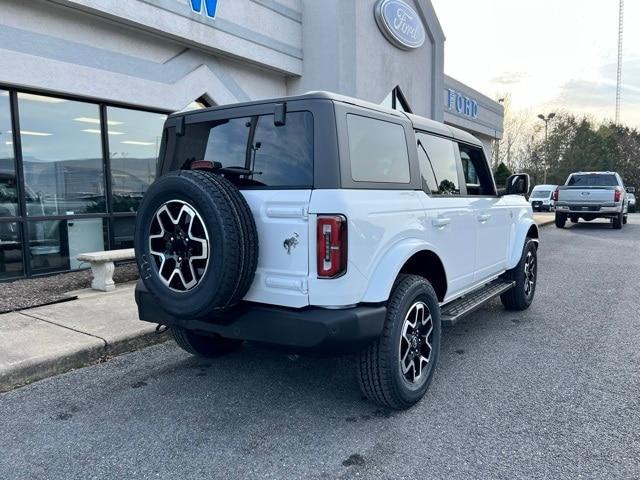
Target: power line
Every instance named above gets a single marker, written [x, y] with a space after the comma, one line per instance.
[619, 74]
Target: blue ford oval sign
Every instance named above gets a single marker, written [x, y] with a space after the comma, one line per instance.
[400, 23]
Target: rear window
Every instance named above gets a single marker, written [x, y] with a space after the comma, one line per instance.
[586, 180]
[377, 150]
[540, 194]
[276, 156]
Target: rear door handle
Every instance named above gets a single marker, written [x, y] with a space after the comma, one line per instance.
[483, 217]
[440, 222]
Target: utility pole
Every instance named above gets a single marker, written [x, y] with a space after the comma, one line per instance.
[546, 121]
[619, 74]
[497, 162]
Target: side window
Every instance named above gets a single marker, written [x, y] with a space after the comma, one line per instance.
[438, 165]
[377, 150]
[477, 175]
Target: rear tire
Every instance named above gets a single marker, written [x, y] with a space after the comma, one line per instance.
[618, 220]
[395, 370]
[561, 219]
[624, 220]
[525, 274]
[575, 219]
[208, 346]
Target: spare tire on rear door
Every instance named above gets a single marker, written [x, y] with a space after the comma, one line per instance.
[196, 243]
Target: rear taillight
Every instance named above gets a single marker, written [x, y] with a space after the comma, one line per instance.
[554, 195]
[617, 195]
[332, 246]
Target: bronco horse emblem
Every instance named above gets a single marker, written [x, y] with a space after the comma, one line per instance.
[291, 242]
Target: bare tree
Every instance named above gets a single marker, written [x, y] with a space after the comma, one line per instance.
[517, 127]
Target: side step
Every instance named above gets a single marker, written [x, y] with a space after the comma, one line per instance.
[454, 311]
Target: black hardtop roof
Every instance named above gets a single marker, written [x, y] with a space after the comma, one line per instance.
[418, 122]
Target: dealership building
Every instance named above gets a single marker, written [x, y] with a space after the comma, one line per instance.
[85, 86]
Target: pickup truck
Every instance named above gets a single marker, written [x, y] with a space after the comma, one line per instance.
[591, 195]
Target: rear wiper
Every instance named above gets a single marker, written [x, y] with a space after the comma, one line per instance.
[237, 171]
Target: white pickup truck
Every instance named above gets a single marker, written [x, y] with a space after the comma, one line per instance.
[591, 195]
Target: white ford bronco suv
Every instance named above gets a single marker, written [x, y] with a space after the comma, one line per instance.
[325, 224]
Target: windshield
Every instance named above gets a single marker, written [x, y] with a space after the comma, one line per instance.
[541, 194]
[593, 180]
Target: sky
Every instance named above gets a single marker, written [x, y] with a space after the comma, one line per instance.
[550, 55]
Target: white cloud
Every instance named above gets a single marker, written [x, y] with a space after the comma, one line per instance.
[544, 52]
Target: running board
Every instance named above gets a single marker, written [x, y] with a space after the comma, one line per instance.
[454, 311]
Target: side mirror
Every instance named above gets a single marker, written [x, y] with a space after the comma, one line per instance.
[517, 184]
[631, 189]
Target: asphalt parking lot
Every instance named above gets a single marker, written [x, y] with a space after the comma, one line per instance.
[553, 392]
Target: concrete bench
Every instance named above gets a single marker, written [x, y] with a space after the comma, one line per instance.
[102, 266]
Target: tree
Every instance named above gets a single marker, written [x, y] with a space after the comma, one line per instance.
[581, 144]
[501, 174]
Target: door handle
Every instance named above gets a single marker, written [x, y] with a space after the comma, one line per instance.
[440, 222]
[483, 217]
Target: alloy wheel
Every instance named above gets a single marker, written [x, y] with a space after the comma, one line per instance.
[416, 342]
[179, 244]
[529, 274]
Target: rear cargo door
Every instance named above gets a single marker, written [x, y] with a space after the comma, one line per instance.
[270, 160]
[282, 222]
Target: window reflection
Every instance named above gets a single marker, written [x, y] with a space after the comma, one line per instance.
[62, 156]
[8, 186]
[122, 228]
[10, 251]
[55, 244]
[134, 141]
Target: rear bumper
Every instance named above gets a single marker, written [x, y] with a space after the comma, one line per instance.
[593, 210]
[306, 330]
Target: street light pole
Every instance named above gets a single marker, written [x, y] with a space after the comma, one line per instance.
[546, 121]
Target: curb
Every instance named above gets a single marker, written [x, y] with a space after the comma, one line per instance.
[100, 351]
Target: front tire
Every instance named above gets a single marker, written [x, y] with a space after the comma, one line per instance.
[396, 370]
[525, 276]
[561, 219]
[208, 346]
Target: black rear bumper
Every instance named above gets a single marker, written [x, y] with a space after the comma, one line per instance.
[305, 330]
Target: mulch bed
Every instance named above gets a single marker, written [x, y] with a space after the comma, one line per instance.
[32, 292]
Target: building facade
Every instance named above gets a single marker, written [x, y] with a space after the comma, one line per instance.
[85, 86]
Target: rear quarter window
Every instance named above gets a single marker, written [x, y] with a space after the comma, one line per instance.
[377, 150]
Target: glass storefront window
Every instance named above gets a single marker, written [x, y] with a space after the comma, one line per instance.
[122, 228]
[134, 142]
[10, 251]
[8, 184]
[55, 244]
[62, 156]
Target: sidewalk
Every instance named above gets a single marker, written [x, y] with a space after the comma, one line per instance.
[543, 219]
[40, 342]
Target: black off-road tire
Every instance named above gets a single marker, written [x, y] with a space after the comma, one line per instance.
[575, 218]
[617, 222]
[208, 346]
[625, 219]
[561, 219]
[378, 365]
[519, 297]
[233, 243]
